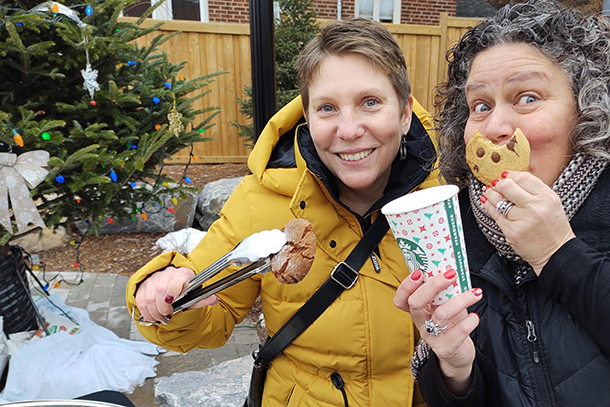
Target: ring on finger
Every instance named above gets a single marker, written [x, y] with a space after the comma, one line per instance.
[504, 206]
[432, 327]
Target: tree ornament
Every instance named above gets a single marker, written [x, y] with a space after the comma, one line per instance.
[175, 124]
[59, 9]
[90, 77]
[17, 174]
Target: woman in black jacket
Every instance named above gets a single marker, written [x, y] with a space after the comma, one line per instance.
[536, 329]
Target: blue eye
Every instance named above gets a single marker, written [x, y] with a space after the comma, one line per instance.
[370, 103]
[528, 99]
[481, 108]
[326, 108]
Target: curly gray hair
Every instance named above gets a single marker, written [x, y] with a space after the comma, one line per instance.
[578, 44]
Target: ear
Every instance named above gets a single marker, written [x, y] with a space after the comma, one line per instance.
[304, 115]
[407, 115]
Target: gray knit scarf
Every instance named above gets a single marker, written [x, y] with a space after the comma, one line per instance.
[573, 186]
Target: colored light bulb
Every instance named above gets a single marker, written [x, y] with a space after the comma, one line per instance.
[110, 220]
[187, 180]
[171, 210]
[144, 216]
[131, 63]
[60, 179]
[133, 184]
[157, 127]
[45, 136]
[18, 139]
[88, 10]
[168, 85]
[175, 201]
[156, 100]
[113, 176]
[201, 130]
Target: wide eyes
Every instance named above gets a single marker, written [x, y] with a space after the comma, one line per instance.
[481, 108]
[527, 99]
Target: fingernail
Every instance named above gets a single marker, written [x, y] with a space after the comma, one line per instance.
[484, 188]
[416, 275]
[449, 274]
[476, 314]
[504, 174]
[494, 182]
[168, 316]
[483, 199]
[169, 299]
[215, 302]
[477, 291]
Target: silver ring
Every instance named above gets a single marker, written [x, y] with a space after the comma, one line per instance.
[504, 207]
[432, 327]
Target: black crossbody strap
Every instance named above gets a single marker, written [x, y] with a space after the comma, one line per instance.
[343, 277]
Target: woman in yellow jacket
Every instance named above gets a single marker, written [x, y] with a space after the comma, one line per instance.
[364, 144]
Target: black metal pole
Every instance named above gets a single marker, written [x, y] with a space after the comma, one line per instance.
[262, 56]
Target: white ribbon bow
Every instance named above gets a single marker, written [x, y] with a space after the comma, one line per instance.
[17, 174]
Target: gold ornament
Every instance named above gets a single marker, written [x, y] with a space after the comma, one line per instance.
[175, 124]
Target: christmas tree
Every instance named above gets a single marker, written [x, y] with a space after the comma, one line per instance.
[295, 27]
[83, 101]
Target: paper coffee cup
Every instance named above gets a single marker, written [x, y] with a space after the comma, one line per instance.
[428, 228]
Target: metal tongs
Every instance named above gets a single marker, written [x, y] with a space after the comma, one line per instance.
[237, 257]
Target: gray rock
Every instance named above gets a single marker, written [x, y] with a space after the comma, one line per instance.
[211, 200]
[224, 385]
[159, 219]
[44, 240]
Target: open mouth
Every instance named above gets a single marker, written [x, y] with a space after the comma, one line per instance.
[357, 156]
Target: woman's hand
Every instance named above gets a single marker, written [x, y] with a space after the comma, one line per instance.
[453, 345]
[155, 295]
[536, 226]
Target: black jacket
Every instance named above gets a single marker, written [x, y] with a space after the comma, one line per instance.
[548, 342]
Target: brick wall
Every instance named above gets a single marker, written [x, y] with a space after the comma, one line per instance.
[412, 11]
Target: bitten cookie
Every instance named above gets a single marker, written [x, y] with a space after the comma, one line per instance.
[292, 263]
[488, 161]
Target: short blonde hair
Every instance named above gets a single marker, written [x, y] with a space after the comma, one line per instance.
[355, 36]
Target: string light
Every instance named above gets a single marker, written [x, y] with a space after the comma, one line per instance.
[156, 100]
[60, 179]
[17, 137]
[168, 85]
[88, 10]
[45, 136]
[113, 176]
[131, 63]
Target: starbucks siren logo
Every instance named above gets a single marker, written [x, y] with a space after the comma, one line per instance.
[414, 255]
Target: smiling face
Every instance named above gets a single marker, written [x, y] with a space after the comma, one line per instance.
[356, 124]
[515, 86]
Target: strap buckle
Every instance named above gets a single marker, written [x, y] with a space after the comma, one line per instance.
[344, 275]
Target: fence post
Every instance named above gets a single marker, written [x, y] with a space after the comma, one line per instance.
[443, 23]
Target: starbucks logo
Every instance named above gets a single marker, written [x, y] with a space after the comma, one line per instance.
[414, 255]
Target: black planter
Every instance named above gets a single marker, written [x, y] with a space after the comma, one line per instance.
[15, 304]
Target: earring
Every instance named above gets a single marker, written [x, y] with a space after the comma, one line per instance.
[403, 151]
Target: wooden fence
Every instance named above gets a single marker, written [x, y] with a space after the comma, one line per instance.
[210, 47]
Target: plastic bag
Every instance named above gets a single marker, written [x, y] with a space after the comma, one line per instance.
[64, 366]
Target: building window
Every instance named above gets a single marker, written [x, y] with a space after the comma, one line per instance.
[386, 11]
[195, 10]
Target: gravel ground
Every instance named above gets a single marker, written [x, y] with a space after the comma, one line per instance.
[125, 253]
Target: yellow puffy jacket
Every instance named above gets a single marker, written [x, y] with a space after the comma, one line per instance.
[362, 335]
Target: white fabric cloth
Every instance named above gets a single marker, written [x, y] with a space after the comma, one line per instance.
[65, 366]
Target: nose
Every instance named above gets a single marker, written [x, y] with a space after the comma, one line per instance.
[499, 128]
[349, 127]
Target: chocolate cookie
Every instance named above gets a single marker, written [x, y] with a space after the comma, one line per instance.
[292, 263]
[488, 161]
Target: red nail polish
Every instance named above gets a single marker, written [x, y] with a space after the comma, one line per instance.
[505, 174]
[477, 291]
[484, 188]
[494, 182]
[169, 299]
[483, 199]
[476, 314]
[449, 274]
[416, 275]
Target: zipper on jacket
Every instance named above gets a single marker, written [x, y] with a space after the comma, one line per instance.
[531, 338]
[539, 376]
[339, 384]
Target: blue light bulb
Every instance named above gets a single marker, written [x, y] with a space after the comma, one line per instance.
[168, 85]
[188, 180]
[156, 100]
[88, 10]
[60, 179]
[113, 176]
